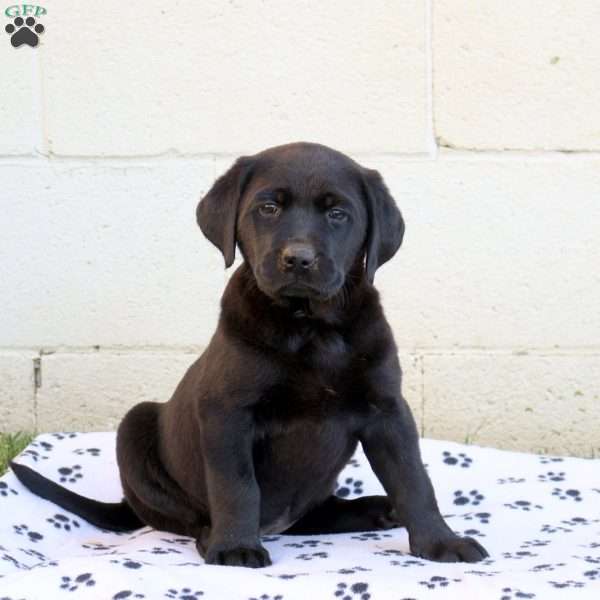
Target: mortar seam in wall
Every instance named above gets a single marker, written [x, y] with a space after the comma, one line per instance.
[422, 372]
[429, 81]
[517, 351]
[443, 155]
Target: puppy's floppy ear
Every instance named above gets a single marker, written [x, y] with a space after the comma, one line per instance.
[217, 211]
[385, 228]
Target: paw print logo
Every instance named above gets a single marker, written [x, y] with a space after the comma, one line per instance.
[355, 591]
[350, 486]
[184, 594]
[73, 584]
[24, 32]
[552, 476]
[463, 460]
[473, 497]
[62, 522]
[33, 536]
[567, 494]
[70, 474]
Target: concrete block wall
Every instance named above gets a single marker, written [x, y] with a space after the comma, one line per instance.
[484, 119]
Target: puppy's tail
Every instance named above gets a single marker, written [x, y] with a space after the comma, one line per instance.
[117, 516]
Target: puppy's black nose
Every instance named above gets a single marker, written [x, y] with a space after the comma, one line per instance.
[298, 257]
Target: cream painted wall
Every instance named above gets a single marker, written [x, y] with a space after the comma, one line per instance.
[484, 119]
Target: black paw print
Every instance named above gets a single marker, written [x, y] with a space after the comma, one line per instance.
[554, 529]
[308, 544]
[567, 494]
[159, 550]
[128, 563]
[22, 529]
[567, 584]
[5, 490]
[98, 546]
[90, 451]
[70, 474]
[408, 563]
[519, 555]
[20, 32]
[64, 435]
[546, 460]
[523, 505]
[371, 535]
[312, 556]
[126, 594]
[473, 497]
[72, 584]
[437, 581]
[509, 594]
[472, 533]
[350, 570]
[463, 460]
[31, 552]
[352, 591]
[511, 480]
[62, 522]
[482, 517]
[350, 486]
[534, 543]
[184, 594]
[552, 476]
[580, 521]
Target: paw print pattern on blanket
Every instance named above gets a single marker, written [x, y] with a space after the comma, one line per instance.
[541, 546]
[352, 591]
[349, 487]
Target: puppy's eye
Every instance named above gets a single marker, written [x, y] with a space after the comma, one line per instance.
[336, 214]
[269, 209]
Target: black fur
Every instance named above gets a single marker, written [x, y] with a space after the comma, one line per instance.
[302, 367]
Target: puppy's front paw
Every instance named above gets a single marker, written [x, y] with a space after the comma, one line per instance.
[241, 556]
[449, 549]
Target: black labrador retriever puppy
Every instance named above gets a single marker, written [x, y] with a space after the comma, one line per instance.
[302, 367]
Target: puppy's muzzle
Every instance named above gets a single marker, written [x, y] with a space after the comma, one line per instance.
[298, 258]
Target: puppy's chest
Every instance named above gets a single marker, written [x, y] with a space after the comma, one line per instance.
[318, 383]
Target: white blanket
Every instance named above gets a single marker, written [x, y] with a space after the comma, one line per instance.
[539, 518]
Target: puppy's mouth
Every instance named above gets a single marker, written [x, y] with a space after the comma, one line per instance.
[299, 290]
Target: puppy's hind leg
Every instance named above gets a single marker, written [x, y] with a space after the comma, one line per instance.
[339, 515]
[154, 496]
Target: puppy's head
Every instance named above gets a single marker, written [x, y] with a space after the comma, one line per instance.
[302, 215]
